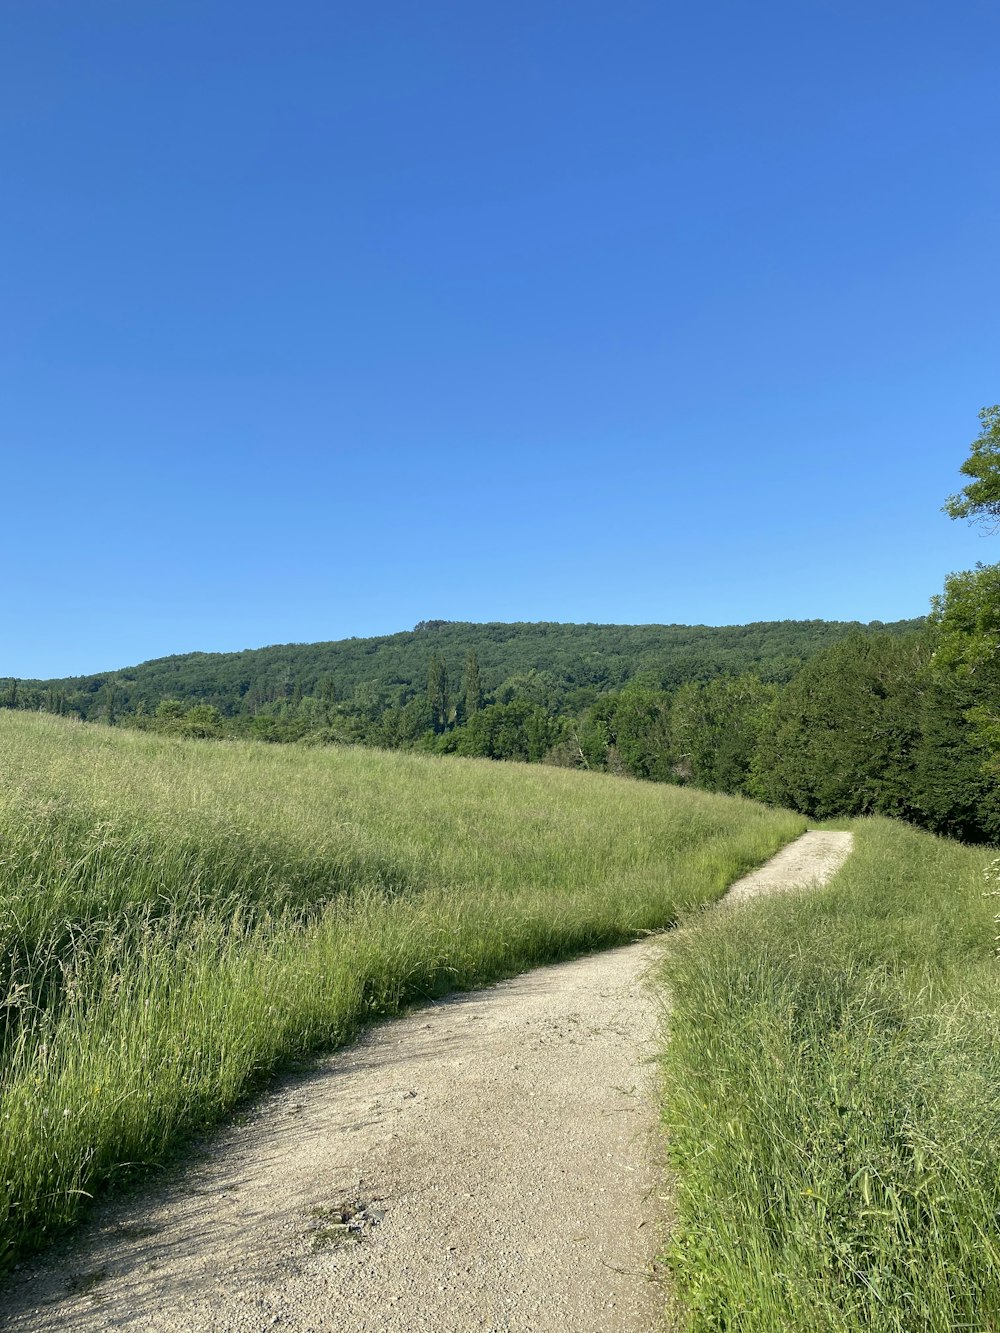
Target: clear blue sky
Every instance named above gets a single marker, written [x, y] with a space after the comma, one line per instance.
[319, 319]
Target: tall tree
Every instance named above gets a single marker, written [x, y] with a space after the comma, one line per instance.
[980, 499]
[473, 688]
[327, 692]
[437, 691]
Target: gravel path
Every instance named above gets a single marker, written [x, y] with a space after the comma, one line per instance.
[810, 860]
[490, 1162]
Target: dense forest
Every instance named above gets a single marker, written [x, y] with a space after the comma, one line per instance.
[369, 676]
[825, 717]
[504, 691]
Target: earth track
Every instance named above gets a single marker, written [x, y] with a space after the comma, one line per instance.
[491, 1162]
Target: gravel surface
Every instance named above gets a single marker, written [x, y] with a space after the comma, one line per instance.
[808, 861]
[490, 1162]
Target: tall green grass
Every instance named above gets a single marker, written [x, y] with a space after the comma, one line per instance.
[178, 918]
[833, 1100]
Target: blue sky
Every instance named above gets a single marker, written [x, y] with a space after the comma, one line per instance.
[322, 319]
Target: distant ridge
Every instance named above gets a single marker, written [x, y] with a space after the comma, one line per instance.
[575, 660]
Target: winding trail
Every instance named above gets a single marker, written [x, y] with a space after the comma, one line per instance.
[490, 1162]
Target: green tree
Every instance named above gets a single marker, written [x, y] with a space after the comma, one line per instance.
[202, 721]
[846, 729]
[715, 728]
[111, 699]
[401, 727]
[437, 692]
[980, 499]
[326, 692]
[169, 711]
[642, 733]
[959, 757]
[967, 619]
[629, 732]
[473, 689]
[537, 687]
[519, 730]
[953, 791]
[367, 701]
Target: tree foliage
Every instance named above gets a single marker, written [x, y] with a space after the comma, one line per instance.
[716, 729]
[979, 500]
[472, 687]
[437, 692]
[519, 730]
[959, 758]
[843, 733]
[568, 667]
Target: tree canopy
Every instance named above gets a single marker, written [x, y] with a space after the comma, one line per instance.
[980, 499]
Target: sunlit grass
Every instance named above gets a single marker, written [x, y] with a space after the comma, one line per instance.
[833, 1099]
[178, 918]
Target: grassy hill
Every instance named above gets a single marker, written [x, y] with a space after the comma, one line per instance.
[157, 895]
[579, 662]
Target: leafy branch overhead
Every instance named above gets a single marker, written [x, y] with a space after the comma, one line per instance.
[979, 501]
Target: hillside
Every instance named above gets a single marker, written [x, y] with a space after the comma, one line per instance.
[577, 662]
[159, 895]
[832, 1110]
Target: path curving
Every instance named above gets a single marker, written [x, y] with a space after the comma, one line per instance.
[490, 1162]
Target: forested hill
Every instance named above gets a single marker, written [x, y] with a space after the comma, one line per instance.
[563, 667]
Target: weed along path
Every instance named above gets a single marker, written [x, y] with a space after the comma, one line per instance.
[490, 1162]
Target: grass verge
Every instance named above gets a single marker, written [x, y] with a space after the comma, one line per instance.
[179, 918]
[832, 1100]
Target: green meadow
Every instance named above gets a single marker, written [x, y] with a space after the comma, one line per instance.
[832, 1099]
[180, 918]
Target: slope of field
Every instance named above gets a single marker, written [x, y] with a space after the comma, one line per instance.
[834, 1108]
[395, 665]
[179, 918]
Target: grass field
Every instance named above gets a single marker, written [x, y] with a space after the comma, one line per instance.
[179, 918]
[833, 1099]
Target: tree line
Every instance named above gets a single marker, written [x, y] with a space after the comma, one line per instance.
[579, 663]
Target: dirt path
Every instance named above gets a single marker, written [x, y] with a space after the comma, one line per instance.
[811, 859]
[490, 1162]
